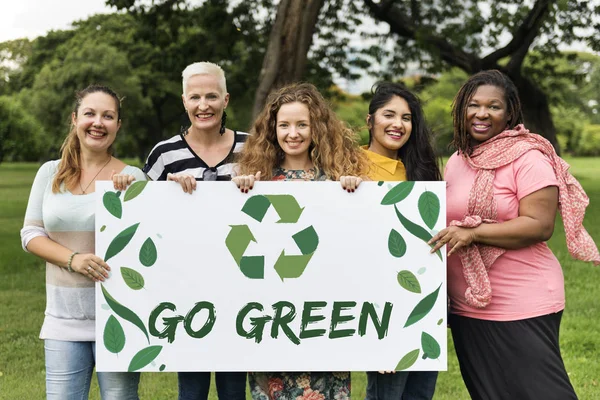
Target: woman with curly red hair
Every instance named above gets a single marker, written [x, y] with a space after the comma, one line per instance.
[298, 137]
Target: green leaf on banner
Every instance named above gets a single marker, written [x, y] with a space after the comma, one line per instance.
[429, 208]
[396, 244]
[398, 193]
[415, 229]
[114, 336]
[112, 204]
[162, 367]
[134, 190]
[120, 241]
[132, 278]
[148, 253]
[124, 312]
[102, 228]
[431, 348]
[408, 360]
[423, 307]
[144, 357]
[409, 281]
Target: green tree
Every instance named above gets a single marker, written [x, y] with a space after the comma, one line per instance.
[22, 138]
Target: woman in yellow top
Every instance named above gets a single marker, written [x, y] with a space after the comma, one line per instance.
[399, 149]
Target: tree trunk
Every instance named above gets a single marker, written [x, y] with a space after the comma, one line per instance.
[289, 41]
[536, 110]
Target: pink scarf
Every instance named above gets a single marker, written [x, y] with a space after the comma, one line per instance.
[494, 153]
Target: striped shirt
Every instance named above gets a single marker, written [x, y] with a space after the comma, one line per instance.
[175, 155]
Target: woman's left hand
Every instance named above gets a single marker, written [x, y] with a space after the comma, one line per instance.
[453, 236]
[350, 183]
[121, 181]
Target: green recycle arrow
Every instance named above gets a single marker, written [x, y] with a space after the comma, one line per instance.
[286, 266]
[285, 205]
[237, 242]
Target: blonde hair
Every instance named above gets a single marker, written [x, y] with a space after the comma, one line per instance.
[334, 150]
[204, 68]
[69, 167]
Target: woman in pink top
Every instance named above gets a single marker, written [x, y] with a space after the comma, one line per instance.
[506, 288]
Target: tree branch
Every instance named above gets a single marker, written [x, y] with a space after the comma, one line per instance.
[403, 26]
[522, 38]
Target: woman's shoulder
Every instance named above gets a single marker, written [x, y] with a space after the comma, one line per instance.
[49, 167]
[168, 144]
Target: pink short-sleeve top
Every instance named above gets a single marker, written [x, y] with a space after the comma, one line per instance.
[527, 282]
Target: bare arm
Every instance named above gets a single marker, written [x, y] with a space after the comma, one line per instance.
[535, 224]
[88, 265]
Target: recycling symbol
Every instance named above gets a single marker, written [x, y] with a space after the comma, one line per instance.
[287, 265]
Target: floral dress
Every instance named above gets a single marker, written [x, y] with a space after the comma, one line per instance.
[299, 385]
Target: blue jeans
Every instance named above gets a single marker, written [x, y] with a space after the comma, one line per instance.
[69, 367]
[413, 385]
[195, 385]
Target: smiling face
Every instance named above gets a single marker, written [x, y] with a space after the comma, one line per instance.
[97, 121]
[486, 114]
[204, 99]
[293, 132]
[390, 126]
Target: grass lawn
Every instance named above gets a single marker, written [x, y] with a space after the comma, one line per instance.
[22, 302]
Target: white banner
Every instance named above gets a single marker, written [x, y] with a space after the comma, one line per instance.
[293, 276]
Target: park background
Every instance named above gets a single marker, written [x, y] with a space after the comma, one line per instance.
[549, 48]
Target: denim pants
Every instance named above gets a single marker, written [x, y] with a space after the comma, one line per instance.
[69, 367]
[414, 385]
[195, 385]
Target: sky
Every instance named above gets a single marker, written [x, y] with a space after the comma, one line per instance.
[32, 18]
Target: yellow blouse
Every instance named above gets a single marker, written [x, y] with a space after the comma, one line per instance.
[383, 168]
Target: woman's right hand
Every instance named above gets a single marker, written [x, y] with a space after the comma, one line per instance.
[91, 266]
[246, 182]
[187, 181]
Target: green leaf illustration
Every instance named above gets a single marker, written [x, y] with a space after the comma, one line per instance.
[112, 204]
[396, 244]
[114, 337]
[162, 367]
[415, 229]
[408, 360]
[102, 228]
[398, 193]
[409, 281]
[380, 183]
[132, 278]
[431, 348]
[440, 321]
[120, 241]
[144, 357]
[134, 190]
[429, 208]
[124, 312]
[148, 253]
[423, 307]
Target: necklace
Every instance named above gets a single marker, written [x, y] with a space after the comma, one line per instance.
[94, 178]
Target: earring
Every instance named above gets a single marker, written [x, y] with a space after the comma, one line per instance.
[223, 120]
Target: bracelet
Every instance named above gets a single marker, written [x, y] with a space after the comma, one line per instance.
[70, 261]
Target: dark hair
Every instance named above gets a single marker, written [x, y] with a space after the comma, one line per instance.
[417, 154]
[69, 168]
[493, 77]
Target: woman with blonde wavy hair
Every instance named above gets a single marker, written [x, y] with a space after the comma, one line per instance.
[298, 137]
[59, 228]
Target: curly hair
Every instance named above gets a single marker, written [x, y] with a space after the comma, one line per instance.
[417, 154]
[492, 77]
[334, 149]
[69, 168]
